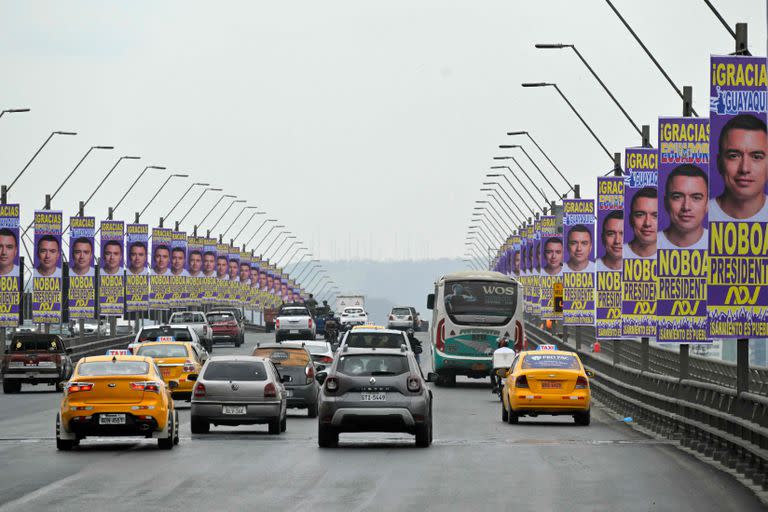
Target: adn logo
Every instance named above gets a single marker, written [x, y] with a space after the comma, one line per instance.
[741, 295]
[685, 308]
[643, 307]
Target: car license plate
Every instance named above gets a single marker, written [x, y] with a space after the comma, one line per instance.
[112, 419]
[373, 397]
[289, 393]
[233, 409]
[551, 385]
[31, 364]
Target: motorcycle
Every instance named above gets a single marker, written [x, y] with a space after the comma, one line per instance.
[331, 331]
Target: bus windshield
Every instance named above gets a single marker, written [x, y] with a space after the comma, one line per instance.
[480, 302]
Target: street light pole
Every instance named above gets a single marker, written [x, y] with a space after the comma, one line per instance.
[237, 217]
[198, 184]
[311, 264]
[266, 251]
[498, 212]
[199, 224]
[114, 208]
[108, 175]
[299, 262]
[248, 222]
[514, 189]
[5, 190]
[494, 194]
[73, 171]
[291, 246]
[293, 255]
[481, 211]
[276, 226]
[530, 137]
[490, 237]
[521, 148]
[258, 229]
[225, 212]
[586, 125]
[160, 190]
[13, 111]
[209, 189]
[518, 179]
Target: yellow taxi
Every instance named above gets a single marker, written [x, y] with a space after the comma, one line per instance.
[177, 360]
[117, 395]
[552, 382]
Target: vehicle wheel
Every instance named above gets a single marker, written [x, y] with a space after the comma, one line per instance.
[312, 411]
[327, 437]
[63, 444]
[199, 425]
[513, 418]
[176, 437]
[11, 387]
[424, 434]
[60, 385]
[284, 424]
[167, 443]
[274, 427]
[582, 418]
[504, 414]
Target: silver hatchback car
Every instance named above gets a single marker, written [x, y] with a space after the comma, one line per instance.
[239, 390]
[375, 390]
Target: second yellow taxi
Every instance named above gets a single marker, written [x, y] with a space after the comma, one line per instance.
[177, 360]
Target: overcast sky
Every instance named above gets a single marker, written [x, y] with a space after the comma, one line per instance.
[364, 127]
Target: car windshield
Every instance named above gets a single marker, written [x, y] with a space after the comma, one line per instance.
[374, 339]
[186, 318]
[401, 311]
[373, 364]
[284, 356]
[153, 333]
[104, 368]
[294, 312]
[480, 302]
[47, 344]
[163, 351]
[220, 317]
[550, 361]
[235, 370]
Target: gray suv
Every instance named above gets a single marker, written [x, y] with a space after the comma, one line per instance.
[374, 390]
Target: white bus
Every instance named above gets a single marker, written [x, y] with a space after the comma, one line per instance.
[470, 311]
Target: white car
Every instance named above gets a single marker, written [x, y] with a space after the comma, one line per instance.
[403, 317]
[197, 321]
[293, 322]
[167, 333]
[353, 315]
[321, 351]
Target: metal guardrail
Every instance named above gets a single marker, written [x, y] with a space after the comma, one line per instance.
[667, 362]
[714, 420]
[95, 345]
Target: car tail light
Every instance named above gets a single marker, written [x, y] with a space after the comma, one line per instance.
[270, 391]
[277, 324]
[440, 336]
[310, 371]
[332, 384]
[199, 390]
[325, 359]
[150, 386]
[414, 384]
[521, 382]
[75, 387]
[189, 366]
[582, 383]
[310, 323]
[391, 317]
[409, 317]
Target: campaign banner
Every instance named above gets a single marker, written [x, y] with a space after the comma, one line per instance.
[222, 274]
[609, 265]
[82, 275]
[527, 269]
[551, 265]
[179, 273]
[233, 290]
[579, 268]
[255, 294]
[137, 267]
[639, 281]
[681, 261]
[160, 275]
[111, 264]
[737, 287]
[10, 275]
[195, 280]
[46, 282]
[245, 278]
[514, 257]
[536, 270]
[208, 287]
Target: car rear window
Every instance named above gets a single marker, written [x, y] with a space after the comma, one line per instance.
[554, 361]
[163, 351]
[401, 311]
[318, 348]
[235, 370]
[181, 318]
[284, 356]
[152, 334]
[220, 317]
[373, 364]
[353, 310]
[294, 312]
[374, 340]
[104, 368]
[35, 345]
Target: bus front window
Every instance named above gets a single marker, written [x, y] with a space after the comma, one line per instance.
[480, 302]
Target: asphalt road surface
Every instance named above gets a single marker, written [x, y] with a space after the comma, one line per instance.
[476, 463]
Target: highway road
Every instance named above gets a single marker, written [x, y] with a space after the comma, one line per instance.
[476, 463]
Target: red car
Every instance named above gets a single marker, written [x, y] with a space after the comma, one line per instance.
[226, 327]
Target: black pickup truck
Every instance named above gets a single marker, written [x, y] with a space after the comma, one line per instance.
[35, 358]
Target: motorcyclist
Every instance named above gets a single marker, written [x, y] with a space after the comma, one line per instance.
[331, 329]
[311, 304]
[495, 379]
[415, 344]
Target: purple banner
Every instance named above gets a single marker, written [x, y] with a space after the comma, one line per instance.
[179, 272]
[111, 266]
[160, 275]
[46, 285]
[137, 275]
[82, 275]
[551, 255]
[737, 298]
[10, 275]
[579, 269]
[609, 263]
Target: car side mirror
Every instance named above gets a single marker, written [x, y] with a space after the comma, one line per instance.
[589, 373]
[192, 377]
[173, 384]
[432, 377]
[320, 377]
[286, 378]
[431, 301]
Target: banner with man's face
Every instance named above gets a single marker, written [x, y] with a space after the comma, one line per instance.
[195, 281]
[46, 283]
[514, 256]
[536, 269]
[737, 288]
[610, 263]
[641, 207]
[233, 271]
[551, 264]
[179, 273]
[528, 270]
[210, 288]
[160, 273]
[222, 273]
[681, 303]
[579, 268]
[82, 280]
[245, 279]
[10, 275]
[111, 287]
[255, 282]
[137, 267]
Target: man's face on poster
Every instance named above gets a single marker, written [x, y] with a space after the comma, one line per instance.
[613, 238]
[516, 262]
[644, 219]
[245, 272]
[178, 260]
[553, 255]
[138, 256]
[209, 263]
[262, 280]
[221, 266]
[687, 202]
[579, 247]
[195, 262]
[82, 256]
[161, 260]
[48, 256]
[113, 253]
[8, 251]
[742, 163]
[233, 269]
